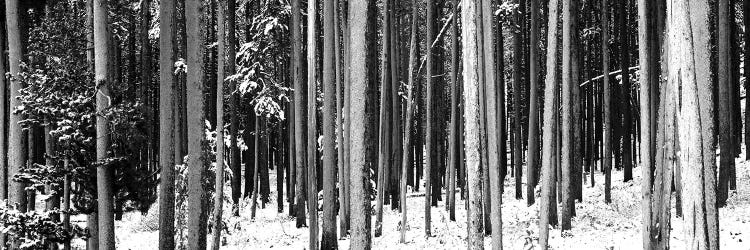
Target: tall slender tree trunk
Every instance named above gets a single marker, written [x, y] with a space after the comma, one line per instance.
[300, 117]
[385, 119]
[625, 93]
[689, 48]
[726, 156]
[607, 126]
[533, 132]
[430, 142]
[410, 105]
[549, 132]
[312, 134]
[329, 144]
[518, 19]
[567, 162]
[104, 178]
[360, 172]
[92, 219]
[746, 20]
[454, 143]
[338, 51]
[229, 68]
[4, 115]
[197, 162]
[219, 169]
[16, 151]
[166, 124]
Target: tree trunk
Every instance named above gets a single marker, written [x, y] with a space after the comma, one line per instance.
[229, 68]
[166, 124]
[300, 118]
[197, 162]
[533, 132]
[103, 173]
[360, 173]
[689, 48]
[4, 114]
[385, 119]
[746, 13]
[518, 19]
[312, 134]
[430, 142]
[549, 131]
[625, 94]
[219, 167]
[329, 240]
[471, 113]
[724, 100]
[256, 165]
[410, 105]
[567, 162]
[607, 127]
[455, 143]
[16, 150]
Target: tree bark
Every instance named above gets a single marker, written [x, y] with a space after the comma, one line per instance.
[219, 167]
[607, 127]
[518, 18]
[625, 93]
[689, 48]
[104, 173]
[197, 163]
[360, 173]
[410, 105]
[726, 157]
[746, 13]
[230, 68]
[312, 135]
[300, 117]
[166, 124]
[533, 132]
[430, 142]
[329, 240]
[549, 132]
[471, 81]
[455, 129]
[567, 162]
[385, 118]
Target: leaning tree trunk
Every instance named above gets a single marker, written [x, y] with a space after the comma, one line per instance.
[549, 132]
[166, 124]
[197, 162]
[688, 27]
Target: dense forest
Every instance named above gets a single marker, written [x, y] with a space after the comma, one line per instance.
[360, 124]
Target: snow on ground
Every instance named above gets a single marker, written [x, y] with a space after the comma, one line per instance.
[596, 226]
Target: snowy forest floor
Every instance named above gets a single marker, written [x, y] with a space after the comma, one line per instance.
[596, 226]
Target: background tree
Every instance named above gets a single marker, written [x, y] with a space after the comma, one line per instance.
[329, 112]
[166, 128]
[532, 155]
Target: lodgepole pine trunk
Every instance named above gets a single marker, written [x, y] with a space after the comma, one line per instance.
[410, 105]
[166, 123]
[430, 142]
[312, 134]
[533, 131]
[300, 118]
[219, 167]
[607, 126]
[329, 240]
[385, 122]
[518, 18]
[549, 132]
[454, 140]
[726, 157]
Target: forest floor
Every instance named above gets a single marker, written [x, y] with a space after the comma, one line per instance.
[597, 225]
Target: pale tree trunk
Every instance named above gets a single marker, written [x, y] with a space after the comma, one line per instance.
[4, 114]
[471, 93]
[360, 172]
[549, 132]
[533, 132]
[219, 167]
[340, 118]
[329, 240]
[166, 131]
[312, 134]
[493, 131]
[104, 178]
[607, 114]
[197, 162]
[300, 134]
[688, 27]
[410, 105]
[746, 13]
[16, 151]
[385, 121]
